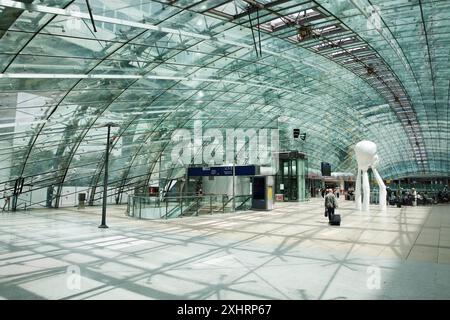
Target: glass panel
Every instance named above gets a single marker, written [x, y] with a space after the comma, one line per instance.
[341, 71]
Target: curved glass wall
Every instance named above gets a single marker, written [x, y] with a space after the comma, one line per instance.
[341, 71]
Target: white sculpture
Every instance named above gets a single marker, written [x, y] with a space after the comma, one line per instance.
[366, 156]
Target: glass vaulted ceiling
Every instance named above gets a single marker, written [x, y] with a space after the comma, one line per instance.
[341, 70]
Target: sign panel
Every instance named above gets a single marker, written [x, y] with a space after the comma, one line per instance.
[325, 168]
[221, 171]
[245, 170]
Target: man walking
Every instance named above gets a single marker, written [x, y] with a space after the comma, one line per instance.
[330, 204]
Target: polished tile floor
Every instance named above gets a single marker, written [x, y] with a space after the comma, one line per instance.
[288, 253]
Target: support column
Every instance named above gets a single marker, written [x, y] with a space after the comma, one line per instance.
[366, 191]
[105, 181]
[382, 188]
[234, 191]
[358, 190]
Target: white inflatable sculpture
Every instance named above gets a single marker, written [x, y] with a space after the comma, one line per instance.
[366, 156]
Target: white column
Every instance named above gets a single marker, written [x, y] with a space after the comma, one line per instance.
[382, 188]
[358, 190]
[366, 191]
[341, 185]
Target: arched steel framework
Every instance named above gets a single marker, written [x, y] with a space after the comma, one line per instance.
[341, 71]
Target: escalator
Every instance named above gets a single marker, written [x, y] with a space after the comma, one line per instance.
[192, 209]
[242, 203]
[245, 203]
[184, 208]
[173, 213]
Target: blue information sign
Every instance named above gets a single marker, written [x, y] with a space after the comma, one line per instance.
[221, 171]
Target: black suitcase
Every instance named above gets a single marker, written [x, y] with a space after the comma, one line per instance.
[336, 220]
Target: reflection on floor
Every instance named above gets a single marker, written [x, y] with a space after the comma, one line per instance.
[289, 253]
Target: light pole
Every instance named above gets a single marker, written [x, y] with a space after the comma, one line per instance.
[234, 187]
[105, 178]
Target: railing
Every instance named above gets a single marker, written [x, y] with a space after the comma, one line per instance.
[22, 203]
[242, 202]
[245, 202]
[145, 207]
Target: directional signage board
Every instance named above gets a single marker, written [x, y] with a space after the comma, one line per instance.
[221, 171]
[245, 170]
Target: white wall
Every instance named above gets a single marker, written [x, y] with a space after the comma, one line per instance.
[224, 185]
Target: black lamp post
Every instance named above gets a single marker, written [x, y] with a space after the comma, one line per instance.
[105, 179]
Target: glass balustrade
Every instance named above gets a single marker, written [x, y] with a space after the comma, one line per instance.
[144, 207]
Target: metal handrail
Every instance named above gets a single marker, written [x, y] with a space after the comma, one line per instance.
[178, 197]
[243, 202]
[169, 214]
[228, 201]
[196, 196]
[194, 204]
[235, 197]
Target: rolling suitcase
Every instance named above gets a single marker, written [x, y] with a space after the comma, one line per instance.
[336, 220]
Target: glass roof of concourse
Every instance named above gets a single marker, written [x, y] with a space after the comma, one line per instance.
[340, 70]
